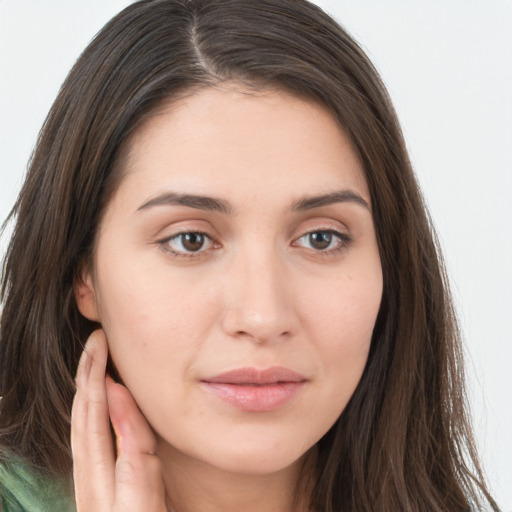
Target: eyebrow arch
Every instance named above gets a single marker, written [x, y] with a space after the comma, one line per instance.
[341, 196]
[190, 200]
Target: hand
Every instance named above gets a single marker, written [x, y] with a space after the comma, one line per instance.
[133, 482]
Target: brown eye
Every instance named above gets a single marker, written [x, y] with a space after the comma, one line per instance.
[192, 241]
[186, 244]
[324, 241]
[320, 240]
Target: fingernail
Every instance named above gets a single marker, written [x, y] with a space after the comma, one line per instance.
[119, 440]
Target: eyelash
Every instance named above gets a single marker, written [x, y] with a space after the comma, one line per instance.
[343, 242]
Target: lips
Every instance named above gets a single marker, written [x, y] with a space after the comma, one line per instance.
[254, 390]
[253, 376]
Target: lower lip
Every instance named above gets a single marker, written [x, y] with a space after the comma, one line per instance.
[261, 398]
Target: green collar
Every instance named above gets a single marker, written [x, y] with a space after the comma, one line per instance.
[23, 489]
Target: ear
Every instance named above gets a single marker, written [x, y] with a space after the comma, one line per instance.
[85, 295]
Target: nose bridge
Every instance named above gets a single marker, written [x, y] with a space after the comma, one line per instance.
[260, 300]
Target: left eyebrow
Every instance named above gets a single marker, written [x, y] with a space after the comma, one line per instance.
[341, 196]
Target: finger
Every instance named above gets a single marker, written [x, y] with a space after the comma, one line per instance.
[139, 481]
[91, 439]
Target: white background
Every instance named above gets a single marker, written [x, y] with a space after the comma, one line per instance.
[448, 66]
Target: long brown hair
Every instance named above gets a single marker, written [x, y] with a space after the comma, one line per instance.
[403, 443]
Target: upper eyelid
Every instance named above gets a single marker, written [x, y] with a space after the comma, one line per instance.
[344, 237]
[320, 223]
[215, 237]
[321, 229]
[303, 225]
[180, 233]
[323, 226]
[183, 231]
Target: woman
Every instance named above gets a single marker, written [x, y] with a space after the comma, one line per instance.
[221, 199]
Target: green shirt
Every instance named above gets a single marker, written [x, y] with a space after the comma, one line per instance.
[24, 490]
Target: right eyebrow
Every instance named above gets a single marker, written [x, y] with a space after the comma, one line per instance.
[191, 200]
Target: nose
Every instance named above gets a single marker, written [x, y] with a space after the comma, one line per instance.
[260, 302]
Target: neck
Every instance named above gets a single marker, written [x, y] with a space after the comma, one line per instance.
[195, 486]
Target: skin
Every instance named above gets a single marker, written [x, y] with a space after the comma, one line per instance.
[277, 280]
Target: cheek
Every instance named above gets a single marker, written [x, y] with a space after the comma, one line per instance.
[344, 310]
[154, 321]
[341, 322]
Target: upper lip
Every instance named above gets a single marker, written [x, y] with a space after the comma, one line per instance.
[249, 375]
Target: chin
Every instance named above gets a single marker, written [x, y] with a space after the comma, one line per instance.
[258, 456]
[258, 462]
[271, 454]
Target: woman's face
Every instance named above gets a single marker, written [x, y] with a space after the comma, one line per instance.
[237, 277]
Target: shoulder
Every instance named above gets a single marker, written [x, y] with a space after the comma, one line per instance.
[22, 489]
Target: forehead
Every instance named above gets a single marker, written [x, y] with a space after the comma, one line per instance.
[219, 140]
